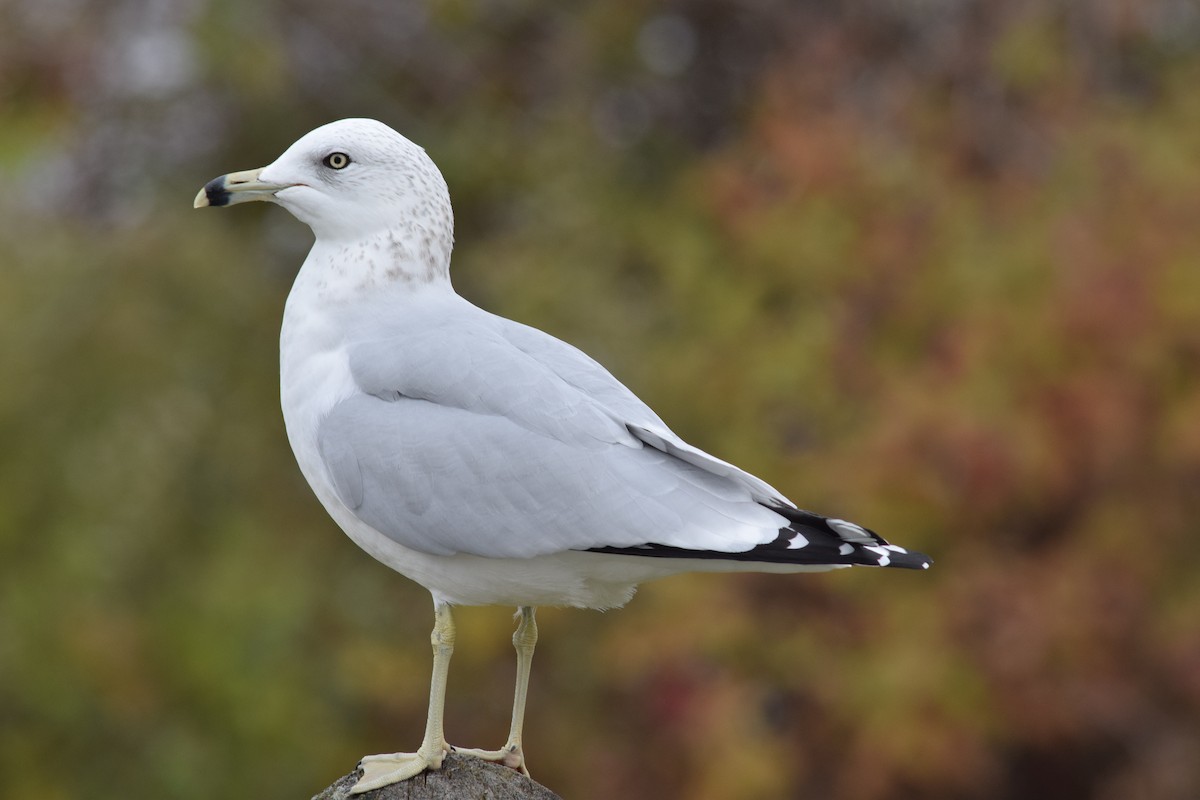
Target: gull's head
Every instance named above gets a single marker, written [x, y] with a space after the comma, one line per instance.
[350, 180]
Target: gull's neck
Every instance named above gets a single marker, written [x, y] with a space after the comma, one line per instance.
[403, 258]
[348, 291]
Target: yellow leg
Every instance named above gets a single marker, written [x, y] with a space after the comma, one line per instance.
[524, 640]
[382, 770]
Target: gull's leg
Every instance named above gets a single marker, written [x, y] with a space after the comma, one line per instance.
[524, 640]
[395, 767]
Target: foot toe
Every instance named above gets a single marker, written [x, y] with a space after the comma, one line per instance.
[384, 770]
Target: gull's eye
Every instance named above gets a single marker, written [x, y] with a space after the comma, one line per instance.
[336, 160]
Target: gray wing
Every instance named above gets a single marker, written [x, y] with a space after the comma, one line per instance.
[504, 442]
[578, 369]
[445, 480]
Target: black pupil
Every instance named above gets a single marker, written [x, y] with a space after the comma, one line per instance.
[337, 160]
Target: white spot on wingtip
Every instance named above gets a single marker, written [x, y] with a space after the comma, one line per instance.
[884, 558]
[845, 550]
[798, 541]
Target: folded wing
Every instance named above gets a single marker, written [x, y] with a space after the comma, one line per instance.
[486, 437]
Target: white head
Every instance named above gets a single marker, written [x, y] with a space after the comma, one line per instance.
[351, 181]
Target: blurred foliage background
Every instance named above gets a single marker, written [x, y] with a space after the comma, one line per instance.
[932, 266]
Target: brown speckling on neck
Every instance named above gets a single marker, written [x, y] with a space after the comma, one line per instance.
[398, 255]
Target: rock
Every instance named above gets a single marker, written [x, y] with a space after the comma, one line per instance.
[460, 778]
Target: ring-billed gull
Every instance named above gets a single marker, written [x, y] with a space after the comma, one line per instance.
[482, 458]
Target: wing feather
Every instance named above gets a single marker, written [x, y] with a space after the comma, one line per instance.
[443, 480]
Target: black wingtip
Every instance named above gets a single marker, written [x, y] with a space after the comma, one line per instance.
[810, 539]
[855, 544]
[910, 560]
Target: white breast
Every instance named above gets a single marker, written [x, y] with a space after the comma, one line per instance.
[314, 371]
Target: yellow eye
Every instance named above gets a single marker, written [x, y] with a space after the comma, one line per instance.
[336, 160]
